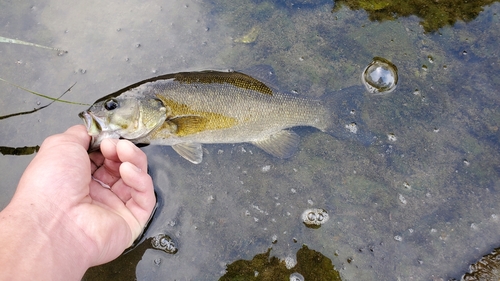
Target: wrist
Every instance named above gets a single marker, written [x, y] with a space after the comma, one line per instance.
[42, 237]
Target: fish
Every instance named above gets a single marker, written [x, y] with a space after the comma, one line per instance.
[188, 109]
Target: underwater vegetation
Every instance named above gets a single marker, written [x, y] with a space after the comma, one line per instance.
[487, 268]
[310, 265]
[434, 14]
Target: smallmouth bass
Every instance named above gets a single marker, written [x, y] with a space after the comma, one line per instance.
[188, 109]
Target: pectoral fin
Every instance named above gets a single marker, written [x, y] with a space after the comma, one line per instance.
[190, 151]
[283, 144]
[187, 125]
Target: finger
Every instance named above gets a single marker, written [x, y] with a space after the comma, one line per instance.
[96, 161]
[142, 195]
[121, 190]
[107, 163]
[79, 132]
[108, 149]
[76, 134]
[104, 196]
[128, 152]
[106, 199]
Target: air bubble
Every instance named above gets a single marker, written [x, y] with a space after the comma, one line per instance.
[296, 277]
[398, 238]
[380, 76]
[311, 216]
[314, 218]
[266, 168]
[164, 243]
[290, 262]
[320, 218]
[353, 128]
[402, 199]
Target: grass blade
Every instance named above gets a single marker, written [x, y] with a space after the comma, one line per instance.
[20, 42]
[43, 96]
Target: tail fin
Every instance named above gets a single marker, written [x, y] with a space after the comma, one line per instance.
[346, 122]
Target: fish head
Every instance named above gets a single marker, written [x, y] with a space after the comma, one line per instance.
[122, 117]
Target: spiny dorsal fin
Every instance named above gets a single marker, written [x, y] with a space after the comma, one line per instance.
[283, 144]
[264, 73]
[237, 79]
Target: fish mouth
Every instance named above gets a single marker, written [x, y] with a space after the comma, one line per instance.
[93, 123]
[94, 127]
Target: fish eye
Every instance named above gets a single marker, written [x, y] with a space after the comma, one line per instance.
[111, 104]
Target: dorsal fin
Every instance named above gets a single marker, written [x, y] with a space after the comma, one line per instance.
[264, 73]
[237, 79]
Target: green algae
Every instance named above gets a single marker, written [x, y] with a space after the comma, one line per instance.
[312, 265]
[434, 14]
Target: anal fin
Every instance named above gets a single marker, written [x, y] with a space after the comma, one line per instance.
[189, 151]
[282, 144]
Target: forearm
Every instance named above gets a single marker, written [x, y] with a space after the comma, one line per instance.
[34, 246]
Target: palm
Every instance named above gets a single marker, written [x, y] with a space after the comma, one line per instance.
[110, 218]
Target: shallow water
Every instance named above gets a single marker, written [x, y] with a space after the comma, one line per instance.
[420, 202]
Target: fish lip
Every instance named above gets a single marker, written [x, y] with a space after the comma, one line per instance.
[87, 119]
[95, 125]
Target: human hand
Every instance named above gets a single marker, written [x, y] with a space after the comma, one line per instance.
[58, 193]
